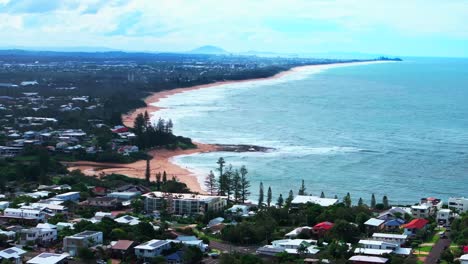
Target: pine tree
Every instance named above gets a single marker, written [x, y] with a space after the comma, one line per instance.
[347, 200]
[373, 202]
[158, 181]
[164, 177]
[260, 196]
[385, 202]
[322, 195]
[228, 175]
[360, 202]
[147, 119]
[169, 126]
[280, 201]
[302, 189]
[269, 196]
[289, 199]
[336, 196]
[210, 183]
[148, 171]
[236, 186]
[245, 184]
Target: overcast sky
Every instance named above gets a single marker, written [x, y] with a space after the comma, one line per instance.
[406, 27]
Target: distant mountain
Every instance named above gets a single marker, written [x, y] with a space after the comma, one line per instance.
[208, 49]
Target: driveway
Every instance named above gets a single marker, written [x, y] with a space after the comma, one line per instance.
[437, 249]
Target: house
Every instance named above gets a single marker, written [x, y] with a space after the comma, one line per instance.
[294, 233]
[215, 221]
[376, 247]
[13, 254]
[49, 258]
[128, 220]
[151, 248]
[11, 235]
[183, 203]
[69, 196]
[374, 224]
[421, 211]
[394, 224]
[191, 241]
[4, 205]
[27, 214]
[124, 196]
[63, 225]
[133, 188]
[458, 204]
[289, 246]
[100, 191]
[103, 202]
[37, 235]
[305, 199]
[443, 216]
[464, 259]
[71, 244]
[321, 228]
[358, 259]
[391, 238]
[239, 209]
[122, 248]
[175, 258]
[412, 227]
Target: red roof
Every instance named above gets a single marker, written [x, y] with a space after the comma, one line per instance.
[418, 223]
[123, 245]
[120, 130]
[323, 225]
[465, 249]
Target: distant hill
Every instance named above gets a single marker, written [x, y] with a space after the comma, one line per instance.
[208, 49]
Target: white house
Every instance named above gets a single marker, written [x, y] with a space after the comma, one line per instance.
[151, 248]
[367, 259]
[443, 216]
[100, 215]
[30, 214]
[69, 196]
[71, 244]
[9, 234]
[305, 199]
[421, 211]
[464, 259]
[391, 238]
[128, 220]
[12, 254]
[458, 204]
[63, 225]
[239, 209]
[375, 247]
[49, 258]
[291, 245]
[191, 241]
[38, 235]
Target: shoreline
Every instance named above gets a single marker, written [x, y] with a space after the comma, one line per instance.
[163, 159]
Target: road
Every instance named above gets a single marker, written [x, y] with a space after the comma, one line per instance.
[437, 249]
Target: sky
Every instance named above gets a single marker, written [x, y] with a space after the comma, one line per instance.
[395, 27]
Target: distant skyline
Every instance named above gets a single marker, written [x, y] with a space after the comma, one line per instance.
[396, 27]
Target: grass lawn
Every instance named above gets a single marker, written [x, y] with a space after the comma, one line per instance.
[424, 249]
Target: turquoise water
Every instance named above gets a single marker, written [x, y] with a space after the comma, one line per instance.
[398, 129]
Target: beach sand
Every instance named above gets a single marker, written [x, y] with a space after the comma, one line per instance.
[161, 157]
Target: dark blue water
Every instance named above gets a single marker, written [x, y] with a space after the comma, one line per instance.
[395, 129]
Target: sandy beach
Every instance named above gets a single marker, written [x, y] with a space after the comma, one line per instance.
[161, 157]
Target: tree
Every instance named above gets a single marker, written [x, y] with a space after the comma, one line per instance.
[236, 186]
[260, 196]
[192, 255]
[373, 202]
[210, 183]
[385, 202]
[148, 170]
[164, 177]
[280, 201]
[245, 184]
[344, 231]
[158, 181]
[220, 163]
[290, 198]
[322, 195]
[360, 202]
[269, 196]
[347, 200]
[302, 189]
[137, 205]
[86, 254]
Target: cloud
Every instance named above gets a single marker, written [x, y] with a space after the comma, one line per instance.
[235, 25]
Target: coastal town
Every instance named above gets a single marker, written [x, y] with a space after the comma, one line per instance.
[86, 176]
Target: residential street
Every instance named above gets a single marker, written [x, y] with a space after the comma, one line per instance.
[436, 251]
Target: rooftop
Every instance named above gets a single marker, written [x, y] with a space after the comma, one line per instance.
[47, 258]
[303, 199]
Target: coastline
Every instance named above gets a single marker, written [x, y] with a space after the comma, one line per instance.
[162, 158]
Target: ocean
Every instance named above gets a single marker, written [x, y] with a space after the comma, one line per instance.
[398, 129]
